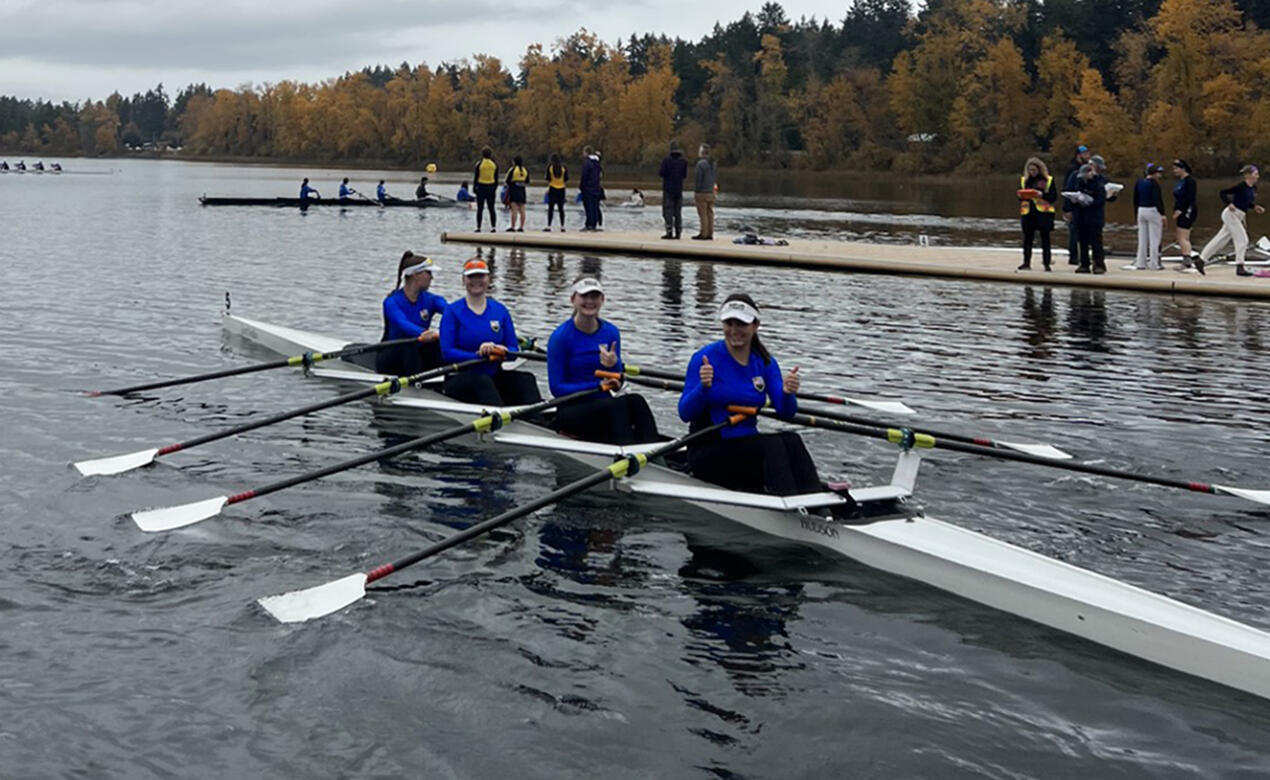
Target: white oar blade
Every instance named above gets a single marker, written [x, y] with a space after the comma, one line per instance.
[301, 605]
[1038, 450]
[1259, 496]
[168, 518]
[1263, 244]
[116, 464]
[886, 407]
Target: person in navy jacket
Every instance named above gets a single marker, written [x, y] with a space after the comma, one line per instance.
[476, 325]
[738, 370]
[580, 346]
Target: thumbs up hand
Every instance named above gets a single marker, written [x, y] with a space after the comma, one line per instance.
[608, 355]
[707, 372]
[792, 382]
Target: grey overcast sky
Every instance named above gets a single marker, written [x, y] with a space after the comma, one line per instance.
[77, 49]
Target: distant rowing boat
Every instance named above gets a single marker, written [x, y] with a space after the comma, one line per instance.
[295, 202]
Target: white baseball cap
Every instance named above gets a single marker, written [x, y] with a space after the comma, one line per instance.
[738, 310]
[587, 284]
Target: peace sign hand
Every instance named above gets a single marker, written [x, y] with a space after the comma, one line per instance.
[608, 355]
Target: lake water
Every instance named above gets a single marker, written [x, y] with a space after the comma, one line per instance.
[596, 638]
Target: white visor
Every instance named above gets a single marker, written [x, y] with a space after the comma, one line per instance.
[738, 310]
[587, 285]
[425, 264]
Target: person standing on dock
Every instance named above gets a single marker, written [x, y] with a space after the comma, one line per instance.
[1090, 216]
[1148, 205]
[517, 193]
[578, 348]
[703, 190]
[591, 188]
[307, 193]
[1071, 183]
[408, 313]
[1185, 211]
[1239, 200]
[674, 169]
[485, 177]
[557, 178]
[1037, 196]
[738, 370]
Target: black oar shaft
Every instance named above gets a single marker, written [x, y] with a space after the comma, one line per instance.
[295, 360]
[382, 388]
[477, 425]
[906, 437]
[615, 471]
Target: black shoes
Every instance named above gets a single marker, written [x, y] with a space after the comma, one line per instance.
[1100, 269]
[670, 236]
[1241, 271]
[1084, 269]
[1199, 264]
[1026, 267]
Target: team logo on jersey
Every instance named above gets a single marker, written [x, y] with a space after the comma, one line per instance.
[759, 384]
[494, 325]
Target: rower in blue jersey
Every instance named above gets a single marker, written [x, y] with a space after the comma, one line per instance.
[738, 370]
[476, 325]
[346, 191]
[408, 311]
[580, 346]
[381, 192]
[464, 195]
[307, 193]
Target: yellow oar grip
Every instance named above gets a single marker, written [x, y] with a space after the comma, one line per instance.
[619, 468]
[907, 438]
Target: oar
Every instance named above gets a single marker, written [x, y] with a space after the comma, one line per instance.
[908, 438]
[117, 464]
[168, 518]
[307, 359]
[529, 350]
[1039, 450]
[301, 605]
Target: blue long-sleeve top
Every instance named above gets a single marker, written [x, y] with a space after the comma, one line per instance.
[464, 195]
[307, 192]
[345, 190]
[403, 319]
[381, 191]
[1185, 197]
[1147, 195]
[1241, 195]
[573, 357]
[463, 331]
[752, 384]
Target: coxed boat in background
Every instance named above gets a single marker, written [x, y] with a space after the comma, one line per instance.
[906, 543]
[295, 202]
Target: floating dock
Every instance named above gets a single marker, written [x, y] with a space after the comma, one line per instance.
[987, 264]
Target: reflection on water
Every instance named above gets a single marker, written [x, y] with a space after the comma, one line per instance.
[1087, 320]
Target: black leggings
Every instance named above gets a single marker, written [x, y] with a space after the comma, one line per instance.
[555, 200]
[485, 194]
[1090, 237]
[1032, 224]
[774, 463]
[504, 388]
[407, 359]
[620, 419]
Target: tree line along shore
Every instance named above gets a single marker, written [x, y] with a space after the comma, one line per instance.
[955, 86]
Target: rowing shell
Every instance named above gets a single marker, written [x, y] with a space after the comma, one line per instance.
[1056, 594]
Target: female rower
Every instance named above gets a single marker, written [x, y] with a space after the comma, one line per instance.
[477, 325]
[485, 176]
[557, 177]
[738, 370]
[1185, 210]
[1148, 204]
[517, 190]
[580, 346]
[1239, 200]
[408, 311]
[1036, 209]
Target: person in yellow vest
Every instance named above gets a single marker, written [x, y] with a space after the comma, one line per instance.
[485, 177]
[557, 177]
[517, 190]
[1037, 197]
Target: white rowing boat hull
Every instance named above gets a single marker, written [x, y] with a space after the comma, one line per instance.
[953, 559]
